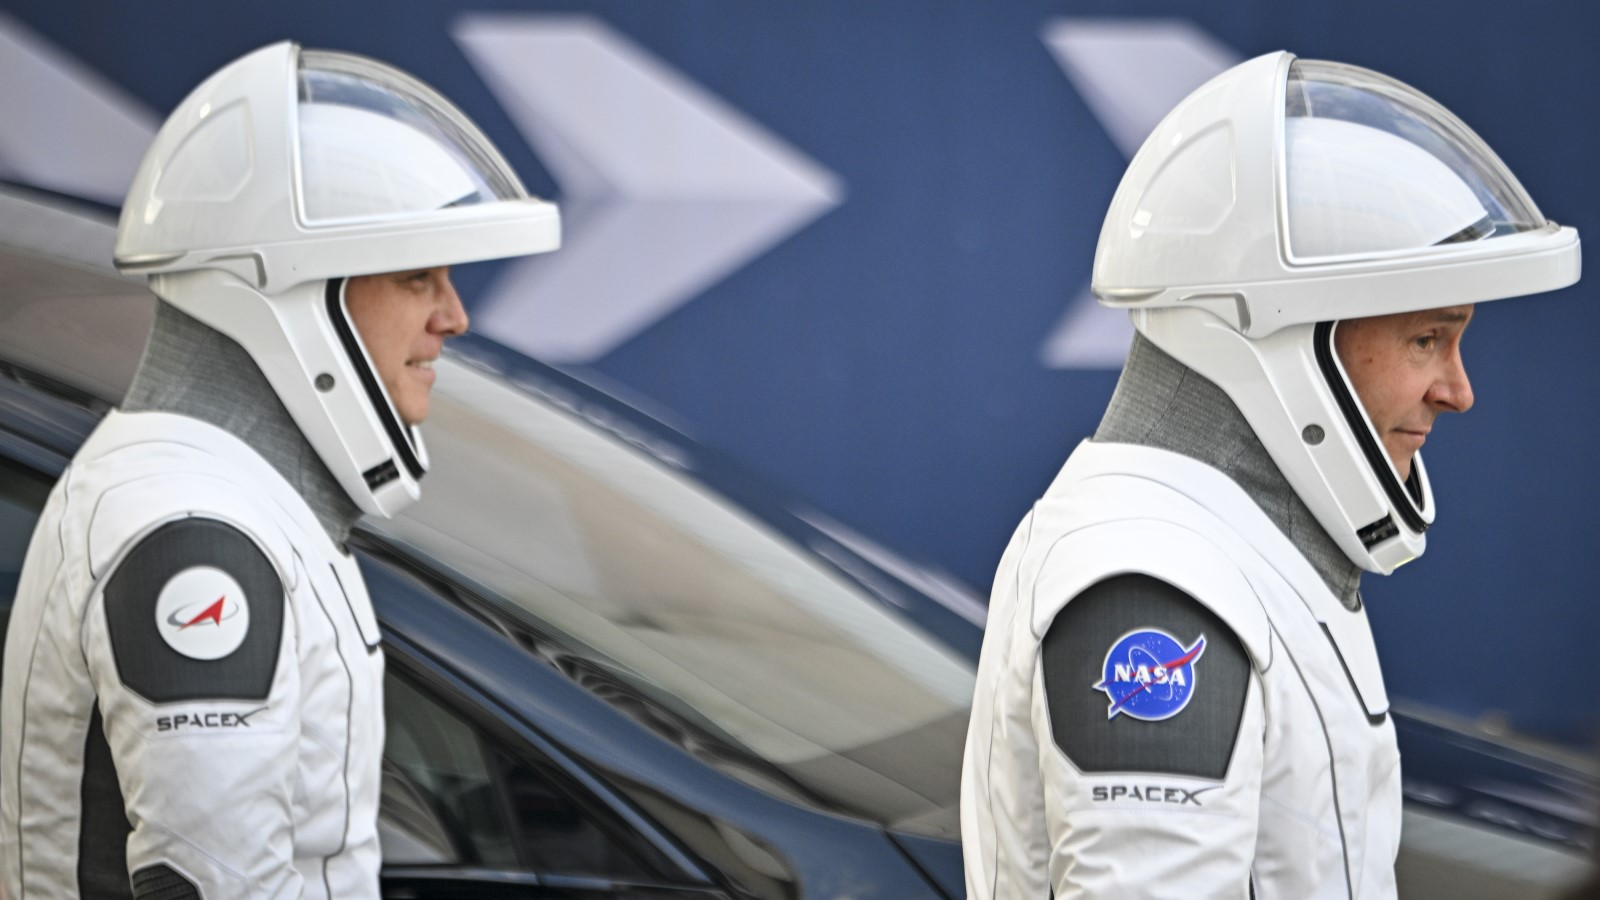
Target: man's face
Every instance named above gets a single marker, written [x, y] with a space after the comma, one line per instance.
[1406, 369]
[404, 318]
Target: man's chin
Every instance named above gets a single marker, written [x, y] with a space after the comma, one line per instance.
[1403, 468]
[409, 408]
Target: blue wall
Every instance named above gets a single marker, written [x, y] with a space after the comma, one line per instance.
[883, 358]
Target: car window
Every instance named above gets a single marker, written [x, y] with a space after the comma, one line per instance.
[686, 612]
[454, 796]
[22, 495]
[437, 771]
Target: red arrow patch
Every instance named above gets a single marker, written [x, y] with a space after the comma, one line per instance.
[212, 612]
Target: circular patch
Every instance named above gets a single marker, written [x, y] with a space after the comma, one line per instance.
[1149, 675]
[202, 613]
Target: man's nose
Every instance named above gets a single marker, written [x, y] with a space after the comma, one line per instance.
[451, 318]
[1452, 392]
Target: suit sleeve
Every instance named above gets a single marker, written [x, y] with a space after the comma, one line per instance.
[191, 651]
[1148, 714]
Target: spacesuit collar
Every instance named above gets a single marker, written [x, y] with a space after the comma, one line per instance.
[194, 370]
[1159, 402]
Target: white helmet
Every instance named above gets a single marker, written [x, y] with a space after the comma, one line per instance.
[284, 174]
[1284, 196]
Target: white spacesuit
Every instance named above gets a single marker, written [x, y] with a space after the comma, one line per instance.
[193, 692]
[1178, 693]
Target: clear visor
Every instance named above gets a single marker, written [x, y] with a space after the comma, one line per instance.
[375, 143]
[1373, 167]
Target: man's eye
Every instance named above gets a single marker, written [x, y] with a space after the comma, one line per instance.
[1425, 341]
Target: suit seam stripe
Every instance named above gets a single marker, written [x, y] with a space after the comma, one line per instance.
[338, 643]
[33, 658]
[1333, 776]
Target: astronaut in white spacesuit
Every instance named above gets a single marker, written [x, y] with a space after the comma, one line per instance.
[1178, 694]
[193, 673]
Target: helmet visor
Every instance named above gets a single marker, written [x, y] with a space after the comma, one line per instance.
[1375, 168]
[375, 143]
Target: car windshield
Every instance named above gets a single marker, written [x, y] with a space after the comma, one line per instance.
[673, 599]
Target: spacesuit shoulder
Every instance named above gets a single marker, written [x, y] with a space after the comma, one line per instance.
[1163, 551]
[130, 511]
[1140, 676]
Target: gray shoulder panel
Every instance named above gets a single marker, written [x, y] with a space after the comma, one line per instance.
[195, 612]
[1141, 677]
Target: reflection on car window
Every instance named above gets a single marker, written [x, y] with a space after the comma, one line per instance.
[673, 600]
[435, 764]
[452, 796]
[22, 496]
[554, 833]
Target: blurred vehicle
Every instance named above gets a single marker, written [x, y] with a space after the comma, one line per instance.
[620, 667]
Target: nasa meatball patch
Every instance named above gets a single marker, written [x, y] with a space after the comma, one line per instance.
[195, 612]
[1141, 678]
[1149, 675]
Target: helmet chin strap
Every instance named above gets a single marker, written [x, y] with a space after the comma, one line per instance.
[406, 439]
[1406, 498]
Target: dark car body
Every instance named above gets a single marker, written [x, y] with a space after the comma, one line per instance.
[620, 667]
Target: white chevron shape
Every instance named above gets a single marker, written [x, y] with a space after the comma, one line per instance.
[66, 128]
[665, 188]
[1131, 73]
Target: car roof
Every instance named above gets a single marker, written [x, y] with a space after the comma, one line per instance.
[67, 313]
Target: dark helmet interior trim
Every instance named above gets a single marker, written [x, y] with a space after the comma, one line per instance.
[287, 172]
[1285, 196]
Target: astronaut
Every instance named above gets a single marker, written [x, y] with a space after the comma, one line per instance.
[193, 675]
[1178, 693]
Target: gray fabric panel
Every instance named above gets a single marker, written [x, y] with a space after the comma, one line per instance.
[162, 882]
[145, 662]
[103, 829]
[1162, 403]
[194, 370]
[1199, 740]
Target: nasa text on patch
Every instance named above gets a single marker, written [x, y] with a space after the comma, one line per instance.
[1148, 674]
[195, 612]
[1141, 677]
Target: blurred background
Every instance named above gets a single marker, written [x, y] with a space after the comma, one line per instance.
[848, 242]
